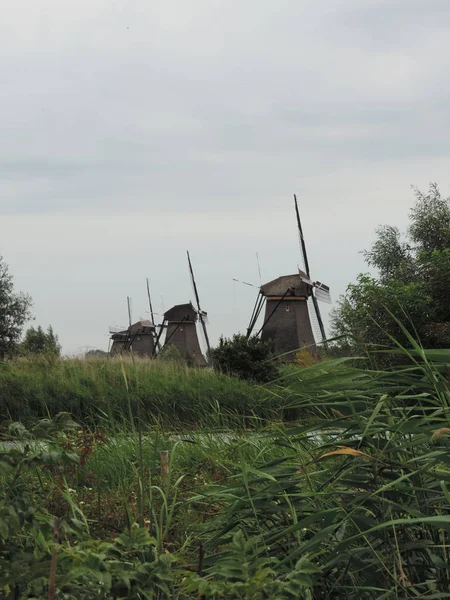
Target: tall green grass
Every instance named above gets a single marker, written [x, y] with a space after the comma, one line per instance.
[367, 501]
[94, 391]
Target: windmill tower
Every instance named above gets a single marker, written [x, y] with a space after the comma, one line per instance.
[180, 323]
[291, 308]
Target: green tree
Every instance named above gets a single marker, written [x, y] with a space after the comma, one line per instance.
[14, 311]
[413, 281]
[38, 341]
[246, 358]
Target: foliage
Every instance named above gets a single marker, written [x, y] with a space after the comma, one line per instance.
[96, 353]
[367, 502]
[366, 313]
[14, 312]
[93, 391]
[241, 572]
[353, 504]
[246, 358]
[430, 220]
[413, 278]
[47, 556]
[37, 341]
[305, 358]
[172, 354]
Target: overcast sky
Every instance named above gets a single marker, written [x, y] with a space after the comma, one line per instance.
[132, 130]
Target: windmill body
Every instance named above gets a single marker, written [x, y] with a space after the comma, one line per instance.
[181, 333]
[140, 337]
[286, 319]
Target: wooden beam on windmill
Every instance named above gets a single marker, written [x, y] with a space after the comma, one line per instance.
[152, 316]
[202, 315]
[319, 291]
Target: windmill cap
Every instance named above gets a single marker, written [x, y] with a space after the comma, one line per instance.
[181, 312]
[139, 326]
[292, 283]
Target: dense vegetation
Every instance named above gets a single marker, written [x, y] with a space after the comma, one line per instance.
[413, 281]
[94, 391]
[353, 504]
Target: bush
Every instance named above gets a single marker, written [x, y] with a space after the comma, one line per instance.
[246, 358]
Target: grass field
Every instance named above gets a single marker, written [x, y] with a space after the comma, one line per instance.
[95, 390]
[353, 502]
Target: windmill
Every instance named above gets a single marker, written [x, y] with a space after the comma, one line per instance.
[180, 323]
[288, 320]
[138, 337]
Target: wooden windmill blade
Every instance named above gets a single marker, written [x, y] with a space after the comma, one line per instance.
[301, 239]
[129, 310]
[128, 341]
[256, 312]
[152, 316]
[308, 274]
[201, 314]
[319, 317]
[157, 347]
[150, 302]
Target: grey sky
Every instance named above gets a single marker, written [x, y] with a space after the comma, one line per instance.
[132, 130]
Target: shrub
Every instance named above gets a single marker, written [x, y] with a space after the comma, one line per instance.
[247, 358]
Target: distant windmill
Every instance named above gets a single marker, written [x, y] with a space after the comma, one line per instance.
[180, 323]
[287, 319]
[138, 337]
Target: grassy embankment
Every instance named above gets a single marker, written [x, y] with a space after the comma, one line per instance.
[168, 393]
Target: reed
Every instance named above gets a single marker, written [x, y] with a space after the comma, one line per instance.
[95, 391]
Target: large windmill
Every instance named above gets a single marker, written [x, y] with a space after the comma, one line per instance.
[180, 323]
[291, 308]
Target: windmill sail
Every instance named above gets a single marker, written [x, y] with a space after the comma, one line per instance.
[152, 315]
[307, 271]
[314, 322]
[201, 314]
[150, 302]
[301, 240]
[322, 292]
